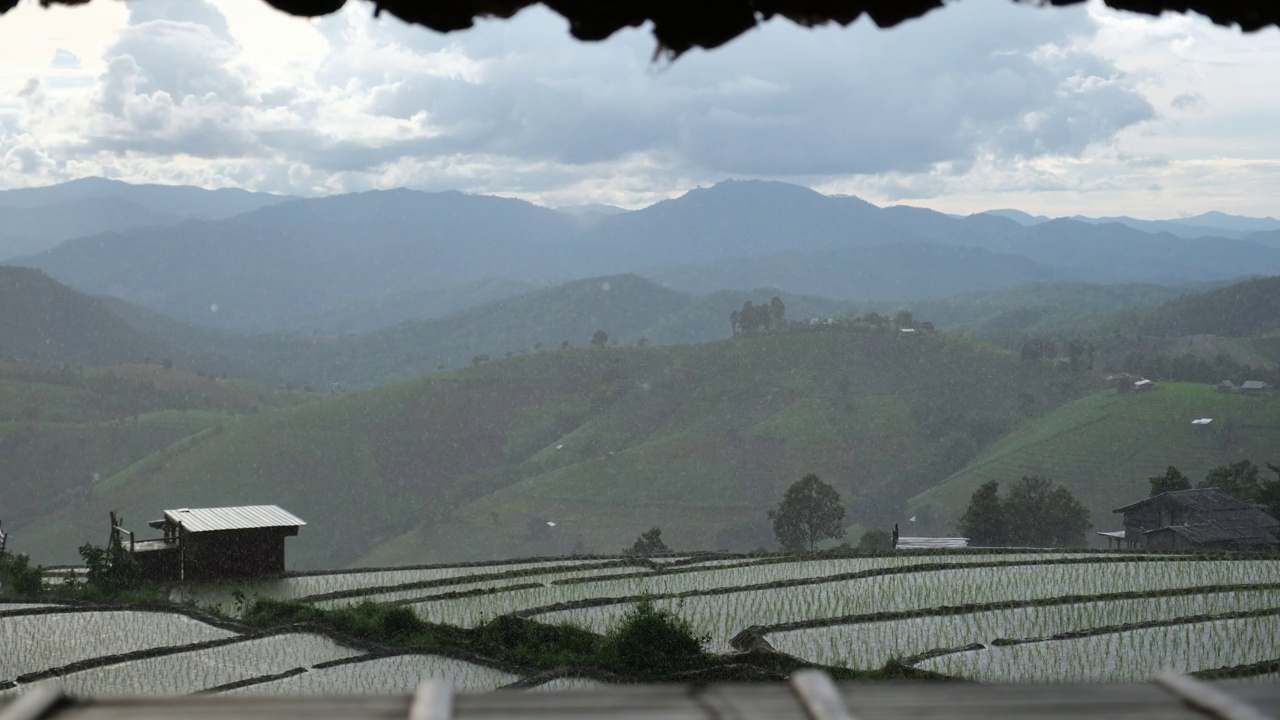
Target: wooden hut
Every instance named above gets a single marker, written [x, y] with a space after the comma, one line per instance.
[213, 543]
[1198, 519]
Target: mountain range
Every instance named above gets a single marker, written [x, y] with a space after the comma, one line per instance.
[253, 263]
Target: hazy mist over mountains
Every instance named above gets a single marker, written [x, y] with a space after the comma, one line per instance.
[253, 262]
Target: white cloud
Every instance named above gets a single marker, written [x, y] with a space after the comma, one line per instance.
[985, 103]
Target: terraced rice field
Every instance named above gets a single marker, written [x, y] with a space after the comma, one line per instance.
[32, 643]
[1125, 617]
[471, 611]
[869, 645]
[395, 675]
[188, 672]
[725, 612]
[1131, 655]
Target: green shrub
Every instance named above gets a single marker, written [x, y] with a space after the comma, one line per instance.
[649, 642]
[18, 578]
[111, 570]
[875, 541]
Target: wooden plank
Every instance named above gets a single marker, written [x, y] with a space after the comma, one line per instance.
[1208, 699]
[433, 700]
[819, 695]
[38, 702]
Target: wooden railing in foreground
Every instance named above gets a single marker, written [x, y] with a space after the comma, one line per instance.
[810, 695]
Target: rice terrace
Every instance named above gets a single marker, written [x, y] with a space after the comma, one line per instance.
[988, 615]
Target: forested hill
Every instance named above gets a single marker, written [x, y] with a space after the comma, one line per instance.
[1245, 309]
[44, 321]
[49, 324]
[606, 442]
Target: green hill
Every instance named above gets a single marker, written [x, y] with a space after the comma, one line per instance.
[1105, 446]
[1243, 309]
[604, 442]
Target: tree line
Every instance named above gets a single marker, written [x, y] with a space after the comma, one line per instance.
[1242, 480]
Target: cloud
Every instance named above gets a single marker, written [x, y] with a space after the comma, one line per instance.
[983, 92]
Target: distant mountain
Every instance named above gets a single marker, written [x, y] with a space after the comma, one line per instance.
[1018, 216]
[1210, 224]
[169, 200]
[293, 265]
[360, 261]
[591, 209]
[885, 272]
[29, 230]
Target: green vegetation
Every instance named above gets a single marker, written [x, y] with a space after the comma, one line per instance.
[1035, 514]
[809, 513]
[18, 578]
[1104, 448]
[603, 442]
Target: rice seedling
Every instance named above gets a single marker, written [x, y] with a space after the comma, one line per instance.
[724, 615]
[471, 611]
[1128, 656]
[31, 643]
[395, 675]
[188, 672]
[870, 645]
[297, 586]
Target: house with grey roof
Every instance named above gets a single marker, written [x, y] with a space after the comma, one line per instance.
[1198, 519]
[214, 543]
[1254, 387]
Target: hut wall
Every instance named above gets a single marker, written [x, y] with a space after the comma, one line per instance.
[257, 552]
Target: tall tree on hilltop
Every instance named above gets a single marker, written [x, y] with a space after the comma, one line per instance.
[777, 313]
[809, 513]
[1171, 480]
[1241, 480]
[599, 338]
[983, 521]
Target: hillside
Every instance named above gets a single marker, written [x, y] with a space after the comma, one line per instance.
[605, 442]
[169, 200]
[30, 230]
[1245, 309]
[47, 323]
[1105, 446]
[61, 430]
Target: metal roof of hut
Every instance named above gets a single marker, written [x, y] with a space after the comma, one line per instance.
[678, 27]
[244, 517]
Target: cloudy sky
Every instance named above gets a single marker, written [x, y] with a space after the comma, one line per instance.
[980, 105]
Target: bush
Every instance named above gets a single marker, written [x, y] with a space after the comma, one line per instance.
[18, 578]
[875, 541]
[649, 642]
[111, 570]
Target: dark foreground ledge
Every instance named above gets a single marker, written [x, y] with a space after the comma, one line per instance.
[809, 696]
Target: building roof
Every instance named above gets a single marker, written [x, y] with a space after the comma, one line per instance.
[1113, 534]
[1254, 385]
[681, 26]
[1249, 528]
[1201, 500]
[232, 518]
[928, 543]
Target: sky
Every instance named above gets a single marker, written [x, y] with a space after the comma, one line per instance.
[980, 105]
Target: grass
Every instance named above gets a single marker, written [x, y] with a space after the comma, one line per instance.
[1105, 446]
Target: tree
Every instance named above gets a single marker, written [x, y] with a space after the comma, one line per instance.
[983, 521]
[777, 313]
[1171, 480]
[649, 543]
[167, 363]
[642, 342]
[1239, 480]
[564, 344]
[809, 513]
[1039, 514]
[904, 319]
[599, 338]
